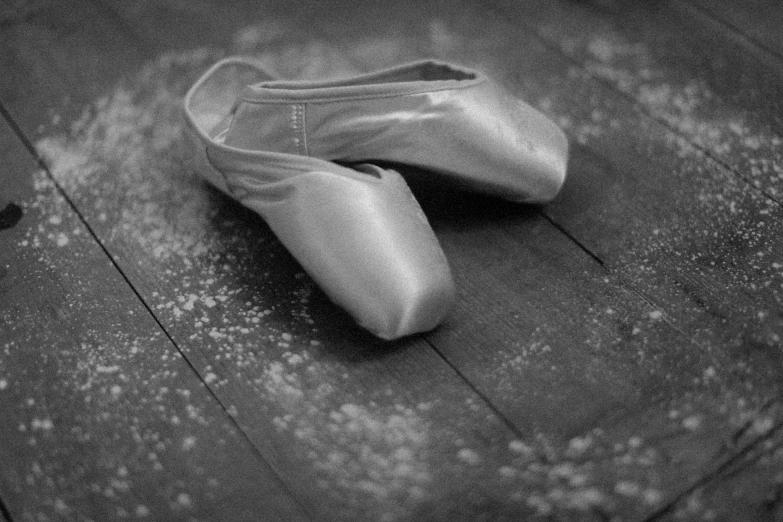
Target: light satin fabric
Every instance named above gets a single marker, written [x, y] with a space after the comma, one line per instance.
[438, 116]
[359, 233]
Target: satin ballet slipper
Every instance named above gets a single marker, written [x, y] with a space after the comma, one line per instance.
[359, 233]
[438, 116]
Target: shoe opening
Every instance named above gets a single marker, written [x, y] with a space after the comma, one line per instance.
[213, 99]
[433, 71]
[425, 71]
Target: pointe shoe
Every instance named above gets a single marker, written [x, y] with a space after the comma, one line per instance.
[359, 233]
[437, 116]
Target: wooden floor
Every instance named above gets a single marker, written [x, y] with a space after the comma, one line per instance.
[614, 355]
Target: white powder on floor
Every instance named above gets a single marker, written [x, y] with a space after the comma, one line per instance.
[375, 454]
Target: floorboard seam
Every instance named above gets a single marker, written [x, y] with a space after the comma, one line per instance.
[714, 474]
[623, 282]
[42, 164]
[578, 243]
[514, 429]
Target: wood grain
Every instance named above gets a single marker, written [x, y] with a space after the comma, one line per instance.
[102, 417]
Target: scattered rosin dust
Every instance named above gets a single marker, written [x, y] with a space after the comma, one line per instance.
[587, 474]
[596, 473]
[96, 410]
[105, 403]
[126, 162]
[369, 452]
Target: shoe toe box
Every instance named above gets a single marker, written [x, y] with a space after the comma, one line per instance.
[507, 148]
[365, 241]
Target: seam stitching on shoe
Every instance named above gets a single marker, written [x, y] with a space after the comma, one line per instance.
[296, 125]
[304, 129]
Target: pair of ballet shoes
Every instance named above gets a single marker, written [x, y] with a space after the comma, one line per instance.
[358, 231]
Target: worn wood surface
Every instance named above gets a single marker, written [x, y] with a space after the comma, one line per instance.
[613, 354]
[102, 417]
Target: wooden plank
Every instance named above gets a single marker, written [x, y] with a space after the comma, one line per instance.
[357, 429]
[102, 417]
[759, 20]
[671, 388]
